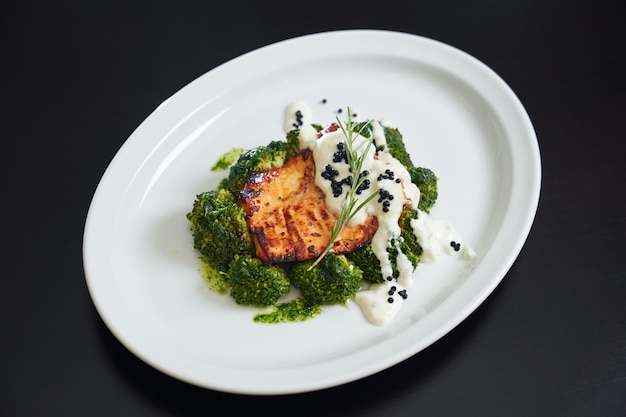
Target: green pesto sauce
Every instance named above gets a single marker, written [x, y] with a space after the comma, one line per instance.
[291, 311]
[227, 159]
[213, 278]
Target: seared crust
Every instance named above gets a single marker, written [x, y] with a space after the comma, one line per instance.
[288, 218]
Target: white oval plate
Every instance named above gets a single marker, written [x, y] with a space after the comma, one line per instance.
[457, 117]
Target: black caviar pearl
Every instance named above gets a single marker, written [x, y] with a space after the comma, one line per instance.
[340, 156]
[337, 188]
[329, 172]
[390, 300]
[389, 278]
[363, 186]
[387, 175]
[382, 195]
[299, 118]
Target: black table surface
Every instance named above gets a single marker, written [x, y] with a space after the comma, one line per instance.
[79, 77]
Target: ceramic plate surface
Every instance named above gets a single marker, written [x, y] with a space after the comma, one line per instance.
[457, 118]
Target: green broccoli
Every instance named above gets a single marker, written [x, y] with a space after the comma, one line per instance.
[368, 262]
[396, 147]
[408, 243]
[333, 281]
[219, 228]
[253, 283]
[261, 158]
[293, 143]
[426, 181]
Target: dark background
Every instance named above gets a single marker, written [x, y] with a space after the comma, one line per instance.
[78, 77]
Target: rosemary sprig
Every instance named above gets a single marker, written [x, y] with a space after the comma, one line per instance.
[355, 160]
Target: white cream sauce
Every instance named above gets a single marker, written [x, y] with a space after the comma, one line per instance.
[388, 176]
[297, 115]
[380, 302]
[436, 236]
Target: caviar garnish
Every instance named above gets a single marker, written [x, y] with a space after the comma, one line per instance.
[364, 186]
[329, 173]
[387, 175]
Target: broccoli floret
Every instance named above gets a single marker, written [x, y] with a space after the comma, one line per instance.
[408, 243]
[253, 283]
[293, 143]
[368, 262]
[219, 228]
[253, 160]
[224, 185]
[426, 181]
[396, 147]
[333, 281]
